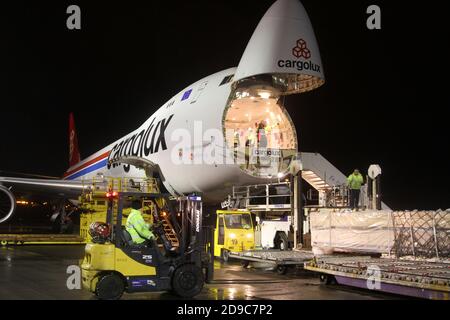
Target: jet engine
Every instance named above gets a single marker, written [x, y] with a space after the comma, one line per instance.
[7, 204]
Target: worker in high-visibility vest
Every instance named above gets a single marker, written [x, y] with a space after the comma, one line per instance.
[251, 138]
[261, 135]
[268, 132]
[136, 226]
[355, 181]
[236, 139]
[236, 142]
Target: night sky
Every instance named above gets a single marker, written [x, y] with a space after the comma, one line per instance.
[384, 100]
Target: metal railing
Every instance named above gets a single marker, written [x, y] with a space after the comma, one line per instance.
[267, 197]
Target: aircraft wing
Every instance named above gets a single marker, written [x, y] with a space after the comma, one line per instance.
[51, 187]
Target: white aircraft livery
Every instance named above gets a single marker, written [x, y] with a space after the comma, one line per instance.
[229, 128]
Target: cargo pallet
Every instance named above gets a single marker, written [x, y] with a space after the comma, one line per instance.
[415, 278]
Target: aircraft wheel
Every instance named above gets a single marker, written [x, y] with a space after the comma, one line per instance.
[281, 270]
[187, 281]
[281, 242]
[225, 255]
[327, 279]
[245, 264]
[110, 287]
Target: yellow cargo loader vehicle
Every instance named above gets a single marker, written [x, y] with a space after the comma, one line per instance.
[234, 232]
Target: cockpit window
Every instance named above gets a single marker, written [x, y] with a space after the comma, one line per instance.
[226, 79]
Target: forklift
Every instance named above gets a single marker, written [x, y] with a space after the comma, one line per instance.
[113, 264]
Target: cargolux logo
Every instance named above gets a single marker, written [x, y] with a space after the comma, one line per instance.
[147, 141]
[301, 50]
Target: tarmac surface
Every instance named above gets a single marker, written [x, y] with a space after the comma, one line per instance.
[40, 272]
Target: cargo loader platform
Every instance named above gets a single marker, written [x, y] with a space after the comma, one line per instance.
[416, 278]
[280, 259]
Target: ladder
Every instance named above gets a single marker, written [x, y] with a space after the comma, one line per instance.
[168, 228]
[169, 231]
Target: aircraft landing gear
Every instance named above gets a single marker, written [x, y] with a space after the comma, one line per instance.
[225, 255]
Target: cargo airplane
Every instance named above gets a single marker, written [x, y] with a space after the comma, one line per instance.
[235, 115]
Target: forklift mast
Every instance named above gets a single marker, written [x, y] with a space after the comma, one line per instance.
[191, 211]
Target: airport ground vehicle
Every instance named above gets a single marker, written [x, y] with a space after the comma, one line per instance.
[274, 233]
[113, 265]
[234, 233]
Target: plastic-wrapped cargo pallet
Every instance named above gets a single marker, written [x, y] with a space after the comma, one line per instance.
[344, 231]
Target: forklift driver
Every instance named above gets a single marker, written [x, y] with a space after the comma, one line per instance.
[137, 228]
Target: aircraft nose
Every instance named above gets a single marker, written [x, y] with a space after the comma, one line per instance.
[284, 44]
[290, 9]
